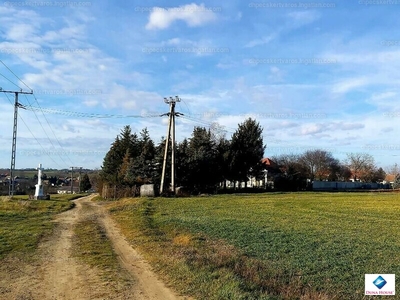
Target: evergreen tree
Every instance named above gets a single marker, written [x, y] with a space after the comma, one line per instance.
[112, 162]
[247, 149]
[224, 159]
[293, 174]
[143, 167]
[183, 164]
[123, 172]
[378, 175]
[85, 184]
[202, 162]
[126, 143]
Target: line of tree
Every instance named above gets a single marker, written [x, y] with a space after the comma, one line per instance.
[207, 160]
[295, 171]
[203, 161]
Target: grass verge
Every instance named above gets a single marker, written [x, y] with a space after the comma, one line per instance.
[270, 246]
[92, 246]
[23, 223]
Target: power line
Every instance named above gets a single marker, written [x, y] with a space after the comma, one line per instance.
[11, 81]
[15, 75]
[189, 117]
[47, 121]
[208, 124]
[44, 151]
[11, 71]
[89, 115]
[41, 125]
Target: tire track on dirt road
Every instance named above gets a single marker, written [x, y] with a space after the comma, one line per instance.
[58, 274]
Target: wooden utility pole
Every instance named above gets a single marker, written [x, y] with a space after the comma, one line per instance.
[170, 132]
[80, 173]
[14, 139]
[72, 178]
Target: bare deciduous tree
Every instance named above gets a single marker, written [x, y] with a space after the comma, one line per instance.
[362, 165]
[319, 163]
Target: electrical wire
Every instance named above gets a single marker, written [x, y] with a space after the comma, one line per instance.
[208, 124]
[44, 151]
[190, 117]
[51, 142]
[15, 75]
[11, 81]
[90, 115]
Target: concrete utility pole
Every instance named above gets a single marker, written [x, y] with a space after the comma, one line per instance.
[170, 131]
[14, 140]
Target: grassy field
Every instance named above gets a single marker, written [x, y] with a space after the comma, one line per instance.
[24, 222]
[267, 246]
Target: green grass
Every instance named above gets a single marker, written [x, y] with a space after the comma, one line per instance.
[23, 223]
[61, 197]
[92, 246]
[269, 246]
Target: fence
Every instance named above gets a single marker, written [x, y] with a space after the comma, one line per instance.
[338, 185]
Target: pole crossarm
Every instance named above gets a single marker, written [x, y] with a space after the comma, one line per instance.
[19, 92]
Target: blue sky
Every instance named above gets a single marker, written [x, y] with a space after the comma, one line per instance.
[314, 74]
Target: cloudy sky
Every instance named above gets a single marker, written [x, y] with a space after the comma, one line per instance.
[314, 74]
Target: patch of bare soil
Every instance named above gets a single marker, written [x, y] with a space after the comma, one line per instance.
[56, 274]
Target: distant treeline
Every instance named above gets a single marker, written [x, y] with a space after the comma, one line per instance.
[202, 161]
[207, 160]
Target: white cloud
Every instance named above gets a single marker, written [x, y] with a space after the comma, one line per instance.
[387, 101]
[383, 96]
[192, 14]
[128, 99]
[225, 66]
[260, 42]
[311, 129]
[276, 74]
[91, 103]
[301, 18]
[174, 41]
[329, 127]
[20, 32]
[349, 84]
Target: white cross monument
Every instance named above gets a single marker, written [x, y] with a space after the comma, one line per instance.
[39, 187]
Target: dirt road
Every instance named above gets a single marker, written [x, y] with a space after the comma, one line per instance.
[57, 274]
